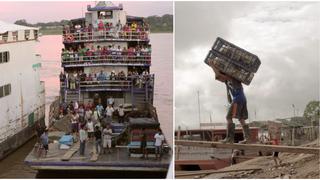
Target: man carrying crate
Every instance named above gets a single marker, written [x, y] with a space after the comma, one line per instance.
[238, 109]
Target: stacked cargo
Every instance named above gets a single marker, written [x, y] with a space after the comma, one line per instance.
[233, 60]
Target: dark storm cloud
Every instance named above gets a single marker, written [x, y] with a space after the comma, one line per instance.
[284, 35]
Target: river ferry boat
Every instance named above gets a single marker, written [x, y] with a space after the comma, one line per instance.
[106, 61]
[22, 95]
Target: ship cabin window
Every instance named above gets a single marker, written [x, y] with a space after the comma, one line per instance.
[4, 37]
[27, 34]
[4, 57]
[105, 14]
[15, 35]
[36, 34]
[5, 90]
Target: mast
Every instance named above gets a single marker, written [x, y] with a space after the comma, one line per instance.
[199, 110]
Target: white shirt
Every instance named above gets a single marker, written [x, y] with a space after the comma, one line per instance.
[159, 138]
[109, 111]
[110, 101]
[76, 105]
[107, 133]
[74, 118]
[88, 114]
[121, 111]
[83, 135]
[90, 126]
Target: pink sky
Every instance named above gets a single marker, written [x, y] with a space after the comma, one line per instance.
[55, 11]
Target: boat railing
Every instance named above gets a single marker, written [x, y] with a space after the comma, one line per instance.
[135, 81]
[106, 35]
[103, 83]
[112, 59]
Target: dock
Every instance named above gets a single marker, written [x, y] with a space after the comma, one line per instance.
[118, 160]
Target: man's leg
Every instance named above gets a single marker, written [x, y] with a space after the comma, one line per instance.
[243, 115]
[230, 125]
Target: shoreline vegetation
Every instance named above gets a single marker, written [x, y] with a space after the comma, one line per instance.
[158, 24]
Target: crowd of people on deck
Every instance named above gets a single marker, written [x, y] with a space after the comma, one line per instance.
[106, 29]
[90, 122]
[106, 52]
[72, 79]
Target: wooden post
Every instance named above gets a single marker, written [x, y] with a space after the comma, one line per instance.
[292, 136]
[178, 147]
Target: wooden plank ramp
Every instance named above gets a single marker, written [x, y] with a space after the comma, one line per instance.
[94, 157]
[257, 147]
[206, 172]
[67, 156]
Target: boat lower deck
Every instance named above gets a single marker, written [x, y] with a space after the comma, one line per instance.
[116, 161]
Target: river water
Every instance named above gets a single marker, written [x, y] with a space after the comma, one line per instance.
[50, 47]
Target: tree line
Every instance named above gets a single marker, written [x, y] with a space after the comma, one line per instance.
[158, 24]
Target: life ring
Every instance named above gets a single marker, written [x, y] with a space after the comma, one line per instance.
[69, 37]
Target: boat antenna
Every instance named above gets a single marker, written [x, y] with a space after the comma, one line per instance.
[199, 109]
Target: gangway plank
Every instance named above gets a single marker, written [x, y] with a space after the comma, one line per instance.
[67, 156]
[257, 147]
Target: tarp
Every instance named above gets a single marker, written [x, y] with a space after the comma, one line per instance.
[66, 139]
[143, 123]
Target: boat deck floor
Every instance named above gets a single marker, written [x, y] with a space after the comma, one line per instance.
[118, 159]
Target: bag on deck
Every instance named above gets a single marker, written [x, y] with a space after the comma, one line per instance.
[66, 140]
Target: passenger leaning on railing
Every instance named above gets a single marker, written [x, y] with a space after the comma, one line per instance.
[111, 52]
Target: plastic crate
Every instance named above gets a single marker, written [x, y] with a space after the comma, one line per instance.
[237, 55]
[226, 66]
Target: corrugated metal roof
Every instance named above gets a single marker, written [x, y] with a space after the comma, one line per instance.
[4, 27]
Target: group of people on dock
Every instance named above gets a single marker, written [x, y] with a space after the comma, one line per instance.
[72, 80]
[110, 52]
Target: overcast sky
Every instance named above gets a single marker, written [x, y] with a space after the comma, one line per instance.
[284, 35]
[55, 11]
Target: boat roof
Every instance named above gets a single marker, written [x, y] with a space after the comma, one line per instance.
[143, 122]
[104, 6]
[5, 27]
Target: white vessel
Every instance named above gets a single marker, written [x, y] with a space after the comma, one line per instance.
[22, 94]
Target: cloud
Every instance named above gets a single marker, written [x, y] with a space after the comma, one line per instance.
[56, 11]
[284, 35]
